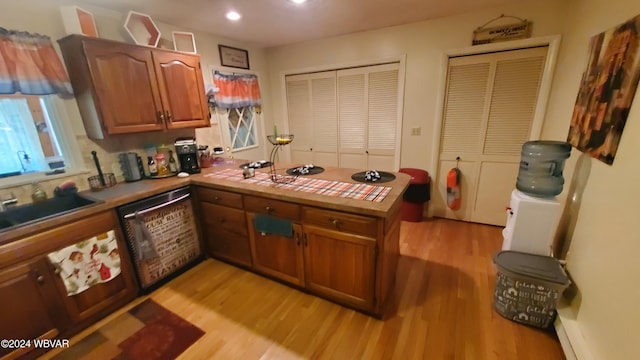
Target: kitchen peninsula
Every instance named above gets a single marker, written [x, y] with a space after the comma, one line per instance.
[342, 249]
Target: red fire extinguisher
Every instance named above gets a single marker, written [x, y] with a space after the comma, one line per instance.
[453, 187]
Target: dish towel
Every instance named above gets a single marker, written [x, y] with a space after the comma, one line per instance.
[87, 263]
[266, 224]
[145, 249]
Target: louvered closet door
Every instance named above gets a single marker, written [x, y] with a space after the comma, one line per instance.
[368, 117]
[311, 105]
[488, 114]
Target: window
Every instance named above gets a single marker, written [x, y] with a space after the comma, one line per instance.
[236, 101]
[242, 127]
[32, 139]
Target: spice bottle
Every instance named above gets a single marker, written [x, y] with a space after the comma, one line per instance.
[173, 165]
[153, 168]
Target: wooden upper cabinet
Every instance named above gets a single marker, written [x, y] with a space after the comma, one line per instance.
[123, 88]
[182, 90]
[127, 94]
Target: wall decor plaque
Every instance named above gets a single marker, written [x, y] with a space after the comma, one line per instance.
[233, 57]
[487, 35]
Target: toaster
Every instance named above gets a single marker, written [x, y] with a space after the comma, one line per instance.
[131, 165]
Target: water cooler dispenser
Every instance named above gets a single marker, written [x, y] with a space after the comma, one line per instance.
[534, 211]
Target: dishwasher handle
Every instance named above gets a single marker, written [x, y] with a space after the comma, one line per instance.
[160, 206]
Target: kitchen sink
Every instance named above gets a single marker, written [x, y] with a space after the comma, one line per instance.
[37, 211]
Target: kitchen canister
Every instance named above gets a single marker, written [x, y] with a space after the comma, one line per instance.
[541, 166]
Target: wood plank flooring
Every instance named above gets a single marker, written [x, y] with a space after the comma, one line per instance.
[442, 308]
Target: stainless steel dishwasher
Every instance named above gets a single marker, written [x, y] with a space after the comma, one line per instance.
[162, 236]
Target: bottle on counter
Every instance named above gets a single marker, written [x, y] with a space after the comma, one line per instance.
[153, 168]
[173, 164]
[162, 165]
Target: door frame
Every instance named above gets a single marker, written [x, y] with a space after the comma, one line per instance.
[553, 43]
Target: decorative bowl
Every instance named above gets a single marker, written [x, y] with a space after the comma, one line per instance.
[281, 139]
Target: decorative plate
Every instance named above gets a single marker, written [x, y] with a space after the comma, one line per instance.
[262, 164]
[312, 171]
[384, 177]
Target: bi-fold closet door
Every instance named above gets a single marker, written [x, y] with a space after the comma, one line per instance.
[489, 109]
[348, 118]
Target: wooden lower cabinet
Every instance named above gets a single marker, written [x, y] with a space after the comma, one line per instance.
[278, 256]
[346, 257]
[225, 233]
[333, 264]
[340, 266]
[33, 299]
[30, 307]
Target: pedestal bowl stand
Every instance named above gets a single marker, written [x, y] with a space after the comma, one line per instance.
[279, 141]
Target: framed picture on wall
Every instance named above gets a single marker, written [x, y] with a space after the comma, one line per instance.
[233, 57]
[607, 89]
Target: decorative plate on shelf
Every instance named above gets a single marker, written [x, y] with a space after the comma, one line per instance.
[310, 170]
[384, 177]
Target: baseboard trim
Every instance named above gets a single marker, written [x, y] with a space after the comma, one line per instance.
[570, 336]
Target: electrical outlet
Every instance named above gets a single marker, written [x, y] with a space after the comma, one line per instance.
[416, 131]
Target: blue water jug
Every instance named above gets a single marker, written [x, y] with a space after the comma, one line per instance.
[541, 166]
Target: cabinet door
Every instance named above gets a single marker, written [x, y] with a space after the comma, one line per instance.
[182, 89]
[29, 305]
[103, 298]
[225, 233]
[276, 255]
[340, 266]
[128, 98]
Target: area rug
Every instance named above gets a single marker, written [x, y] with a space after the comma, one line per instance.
[147, 331]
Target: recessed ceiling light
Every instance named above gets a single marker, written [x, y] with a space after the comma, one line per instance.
[233, 16]
[298, 1]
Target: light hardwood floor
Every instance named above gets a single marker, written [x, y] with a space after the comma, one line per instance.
[442, 308]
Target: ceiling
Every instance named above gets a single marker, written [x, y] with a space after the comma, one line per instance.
[269, 23]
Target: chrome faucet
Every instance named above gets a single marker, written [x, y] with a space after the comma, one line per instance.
[7, 203]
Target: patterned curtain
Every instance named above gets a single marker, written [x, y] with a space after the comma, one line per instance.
[236, 91]
[30, 65]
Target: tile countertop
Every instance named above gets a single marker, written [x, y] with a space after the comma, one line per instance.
[124, 193]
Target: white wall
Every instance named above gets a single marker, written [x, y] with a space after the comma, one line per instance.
[424, 44]
[603, 257]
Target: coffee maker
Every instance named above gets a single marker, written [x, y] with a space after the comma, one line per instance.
[187, 151]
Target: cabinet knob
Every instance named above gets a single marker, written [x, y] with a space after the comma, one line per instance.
[40, 279]
[222, 220]
[336, 222]
[160, 115]
[216, 198]
[269, 209]
[168, 115]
